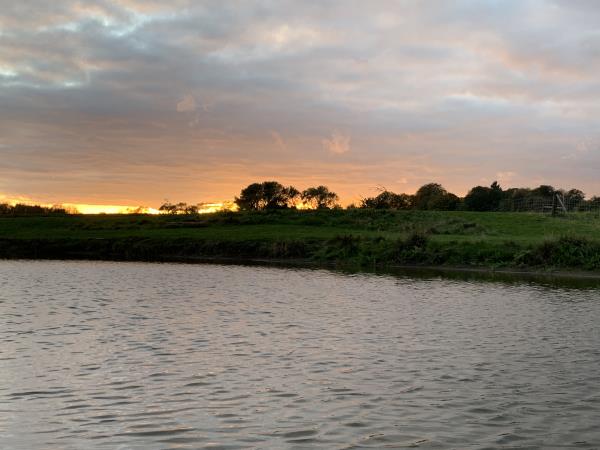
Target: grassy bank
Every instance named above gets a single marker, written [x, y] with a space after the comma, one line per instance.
[360, 238]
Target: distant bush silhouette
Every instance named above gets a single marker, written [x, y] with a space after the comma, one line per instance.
[388, 200]
[21, 209]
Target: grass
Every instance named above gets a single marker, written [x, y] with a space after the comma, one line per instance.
[352, 237]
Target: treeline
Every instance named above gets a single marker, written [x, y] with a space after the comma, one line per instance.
[433, 196]
[272, 195]
[269, 195]
[21, 209]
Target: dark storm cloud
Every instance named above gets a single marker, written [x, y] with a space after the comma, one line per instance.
[210, 95]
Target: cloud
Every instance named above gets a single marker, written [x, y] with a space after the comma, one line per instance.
[187, 104]
[278, 140]
[583, 148]
[505, 177]
[337, 144]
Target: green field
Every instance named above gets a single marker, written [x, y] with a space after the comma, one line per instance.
[356, 237]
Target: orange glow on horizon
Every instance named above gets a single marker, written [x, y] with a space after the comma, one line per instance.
[84, 208]
[302, 205]
[207, 208]
[89, 208]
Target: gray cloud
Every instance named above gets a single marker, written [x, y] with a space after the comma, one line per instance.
[106, 96]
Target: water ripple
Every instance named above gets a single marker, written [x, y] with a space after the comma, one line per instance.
[151, 356]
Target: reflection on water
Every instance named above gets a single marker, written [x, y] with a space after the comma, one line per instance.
[565, 280]
[155, 356]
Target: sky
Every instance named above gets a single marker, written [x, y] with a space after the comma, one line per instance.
[131, 102]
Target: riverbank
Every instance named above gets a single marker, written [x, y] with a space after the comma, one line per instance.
[349, 238]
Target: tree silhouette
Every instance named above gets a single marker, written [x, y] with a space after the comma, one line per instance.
[544, 191]
[276, 196]
[266, 195]
[574, 196]
[250, 198]
[482, 198]
[320, 197]
[178, 208]
[168, 208]
[388, 200]
[433, 196]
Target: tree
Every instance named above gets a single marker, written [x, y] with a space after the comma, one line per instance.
[574, 196]
[293, 194]
[168, 208]
[447, 202]
[482, 198]
[544, 191]
[514, 199]
[266, 195]
[276, 196]
[496, 195]
[320, 197]
[574, 199]
[251, 197]
[433, 196]
[478, 199]
[181, 208]
[178, 208]
[191, 209]
[388, 200]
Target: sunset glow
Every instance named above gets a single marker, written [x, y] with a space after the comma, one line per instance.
[109, 209]
[83, 208]
[207, 208]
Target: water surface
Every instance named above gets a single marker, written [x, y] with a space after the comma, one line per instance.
[97, 355]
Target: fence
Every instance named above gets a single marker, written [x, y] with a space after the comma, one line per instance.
[559, 204]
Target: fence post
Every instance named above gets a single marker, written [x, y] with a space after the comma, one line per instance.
[561, 200]
[554, 204]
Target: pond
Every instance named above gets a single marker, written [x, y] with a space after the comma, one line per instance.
[102, 355]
